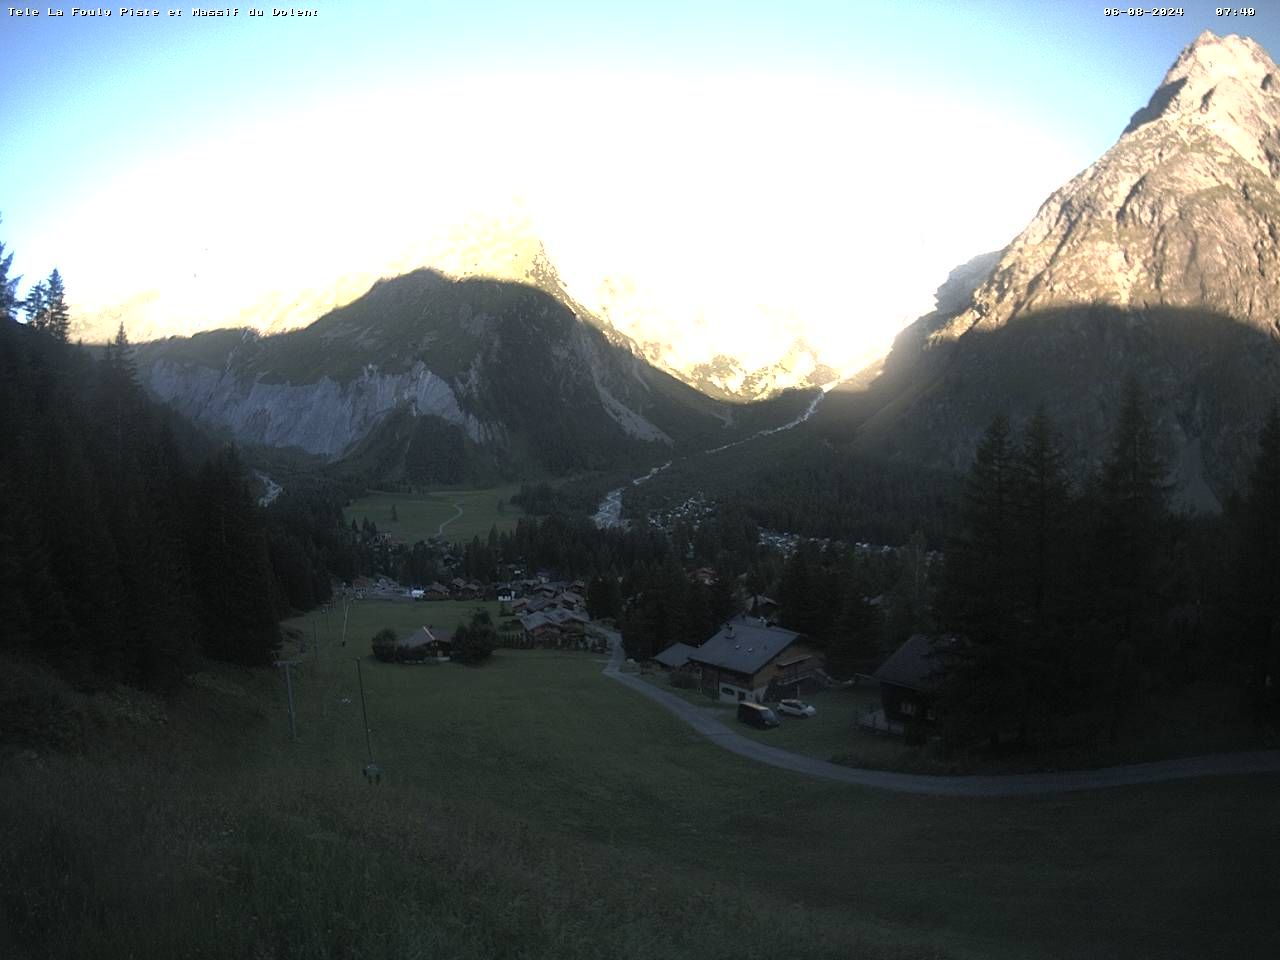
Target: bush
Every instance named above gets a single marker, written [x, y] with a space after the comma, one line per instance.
[386, 645]
[475, 642]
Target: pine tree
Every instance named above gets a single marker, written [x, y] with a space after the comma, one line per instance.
[1133, 508]
[231, 566]
[1134, 501]
[980, 567]
[1260, 567]
[59, 316]
[1041, 505]
[36, 307]
[8, 286]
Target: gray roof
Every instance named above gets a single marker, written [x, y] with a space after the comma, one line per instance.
[911, 665]
[743, 645]
[556, 617]
[676, 655]
[425, 635]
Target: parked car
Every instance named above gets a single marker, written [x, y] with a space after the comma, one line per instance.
[756, 715]
[797, 708]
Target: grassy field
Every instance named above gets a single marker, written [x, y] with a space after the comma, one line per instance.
[420, 515]
[533, 808]
[367, 617]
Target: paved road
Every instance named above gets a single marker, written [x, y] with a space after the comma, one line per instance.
[1005, 785]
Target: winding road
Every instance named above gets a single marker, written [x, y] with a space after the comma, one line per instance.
[1004, 785]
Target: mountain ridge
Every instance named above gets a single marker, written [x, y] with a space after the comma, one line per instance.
[484, 368]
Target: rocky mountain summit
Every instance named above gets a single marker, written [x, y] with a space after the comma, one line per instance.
[1160, 260]
[1183, 211]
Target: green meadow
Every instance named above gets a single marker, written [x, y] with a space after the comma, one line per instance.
[453, 514]
[533, 808]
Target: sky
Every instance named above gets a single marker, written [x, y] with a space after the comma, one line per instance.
[721, 176]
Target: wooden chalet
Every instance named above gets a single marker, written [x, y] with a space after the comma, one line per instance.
[908, 687]
[425, 643]
[746, 655]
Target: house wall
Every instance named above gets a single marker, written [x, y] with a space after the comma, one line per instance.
[904, 704]
[725, 685]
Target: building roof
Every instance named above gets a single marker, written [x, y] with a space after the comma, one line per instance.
[424, 635]
[911, 665]
[744, 645]
[675, 656]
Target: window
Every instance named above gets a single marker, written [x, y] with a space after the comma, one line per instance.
[727, 690]
[908, 708]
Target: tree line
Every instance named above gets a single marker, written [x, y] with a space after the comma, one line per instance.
[130, 544]
[1065, 603]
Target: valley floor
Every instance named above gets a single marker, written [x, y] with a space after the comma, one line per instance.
[532, 807]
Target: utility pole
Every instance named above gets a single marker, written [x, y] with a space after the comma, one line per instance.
[372, 772]
[288, 682]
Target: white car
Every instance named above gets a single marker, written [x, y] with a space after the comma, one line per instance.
[796, 708]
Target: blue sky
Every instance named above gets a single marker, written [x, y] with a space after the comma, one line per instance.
[132, 145]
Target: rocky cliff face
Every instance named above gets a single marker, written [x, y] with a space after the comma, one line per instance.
[1161, 260]
[324, 417]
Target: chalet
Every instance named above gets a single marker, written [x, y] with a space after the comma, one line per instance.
[519, 604]
[506, 593]
[573, 623]
[554, 626]
[761, 606]
[740, 661]
[908, 686]
[424, 643]
[675, 657]
[538, 604]
[435, 591]
[538, 628]
[571, 600]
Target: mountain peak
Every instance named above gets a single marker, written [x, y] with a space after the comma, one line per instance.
[1223, 81]
[1215, 57]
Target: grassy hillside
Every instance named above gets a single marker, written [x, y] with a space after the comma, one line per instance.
[420, 515]
[533, 808]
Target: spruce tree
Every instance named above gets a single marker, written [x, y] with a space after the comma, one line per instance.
[1260, 568]
[1134, 502]
[59, 316]
[1041, 506]
[8, 287]
[1133, 508]
[36, 307]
